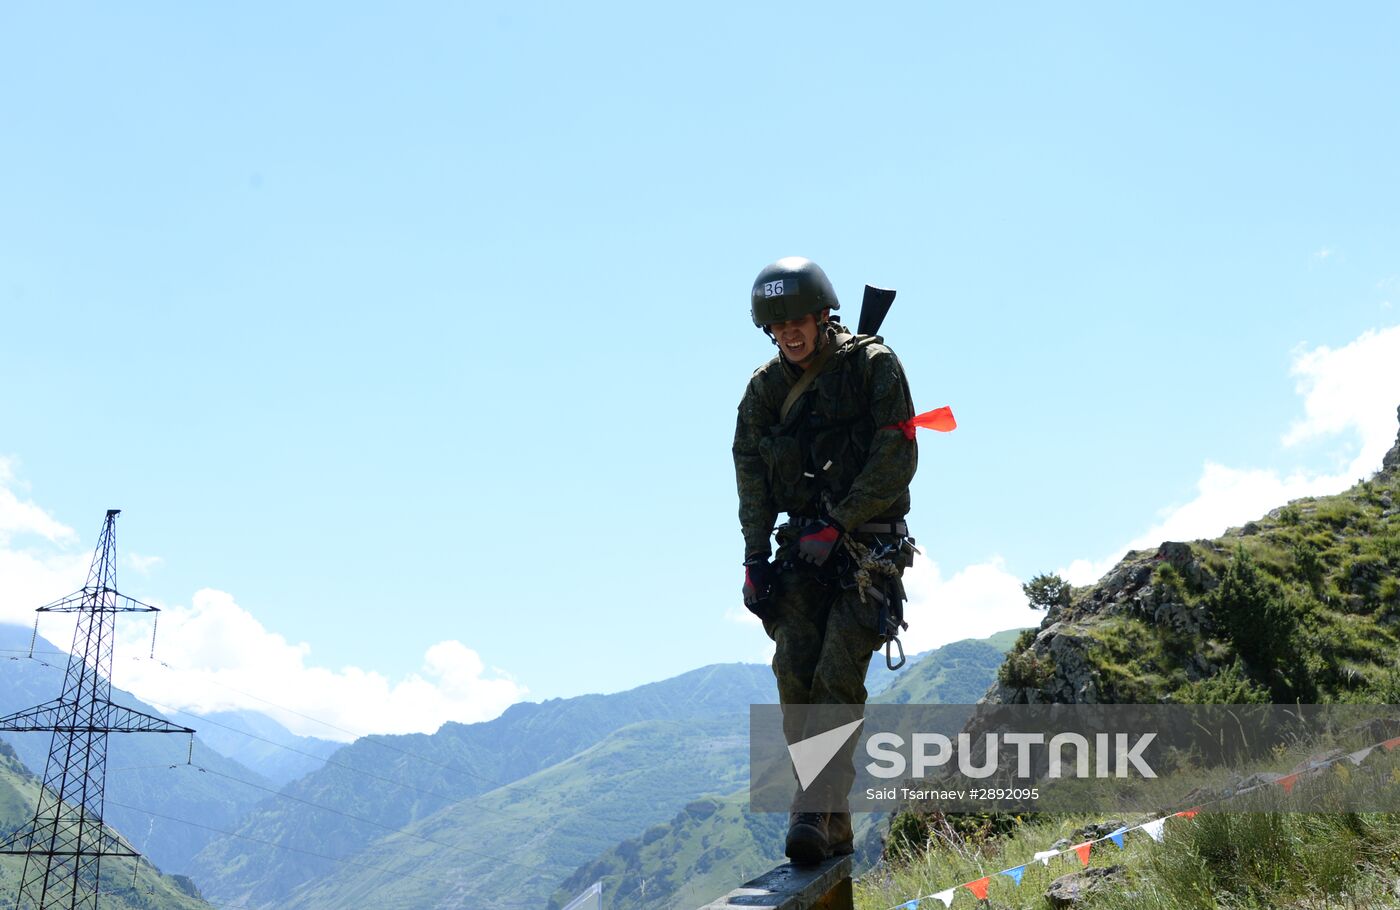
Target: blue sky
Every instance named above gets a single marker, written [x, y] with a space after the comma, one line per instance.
[411, 337]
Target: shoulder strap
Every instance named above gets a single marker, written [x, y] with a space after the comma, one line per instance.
[809, 375]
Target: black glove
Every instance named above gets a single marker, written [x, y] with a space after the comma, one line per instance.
[759, 578]
[818, 541]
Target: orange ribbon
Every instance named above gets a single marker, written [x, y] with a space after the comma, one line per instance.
[940, 419]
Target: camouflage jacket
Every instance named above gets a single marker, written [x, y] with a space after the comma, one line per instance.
[838, 452]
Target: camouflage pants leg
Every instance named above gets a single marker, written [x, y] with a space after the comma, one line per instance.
[825, 637]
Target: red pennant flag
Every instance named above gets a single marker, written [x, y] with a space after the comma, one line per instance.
[979, 888]
[1288, 782]
[1390, 744]
[1083, 851]
[940, 419]
[1189, 813]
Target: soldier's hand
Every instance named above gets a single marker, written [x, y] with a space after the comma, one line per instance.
[818, 541]
[759, 578]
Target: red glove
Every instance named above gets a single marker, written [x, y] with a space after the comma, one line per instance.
[818, 541]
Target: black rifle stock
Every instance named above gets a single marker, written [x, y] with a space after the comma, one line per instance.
[874, 306]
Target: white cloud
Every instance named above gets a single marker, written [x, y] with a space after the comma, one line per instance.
[1349, 399]
[977, 601]
[1088, 571]
[222, 657]
[31, 578]
[143, 564]
[1354, 388]
[18, 519]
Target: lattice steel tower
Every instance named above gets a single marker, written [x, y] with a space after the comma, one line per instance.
[63, 846]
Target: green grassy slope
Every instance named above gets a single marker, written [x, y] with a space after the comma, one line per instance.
[124, 887]
[144, 770]
[1301, 605]
[407, 779]
[714, 844]
[510, 848]
[956, 674]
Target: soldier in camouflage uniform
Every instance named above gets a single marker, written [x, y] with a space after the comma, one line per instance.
[836, 461]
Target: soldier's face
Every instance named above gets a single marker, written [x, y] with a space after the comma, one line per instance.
[797, 338]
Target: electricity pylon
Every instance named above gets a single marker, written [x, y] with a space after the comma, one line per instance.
[63, 846]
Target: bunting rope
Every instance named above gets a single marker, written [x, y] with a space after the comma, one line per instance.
[1153, 829]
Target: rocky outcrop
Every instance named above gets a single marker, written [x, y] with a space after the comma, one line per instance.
[1075, 888]
[1162, 589]
[1391, 463]
[1060, 653]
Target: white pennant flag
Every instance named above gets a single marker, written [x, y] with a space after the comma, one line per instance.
[1045, 856]
[945, 896]
[1154, 829]
[1360, 756]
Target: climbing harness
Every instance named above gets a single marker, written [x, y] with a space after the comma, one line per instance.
[876, 577]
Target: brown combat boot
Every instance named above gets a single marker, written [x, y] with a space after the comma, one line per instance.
[839, 837]
[806, 838]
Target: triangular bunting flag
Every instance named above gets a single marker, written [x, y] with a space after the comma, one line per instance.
[1015, 874]
[979, 888]
[1391, 743]
[945, 896]
[1359, 756]
[1083, 851]
[1154, 829]
[1189, 813]
[1117, 836]
[1288, 782]
[1044, 856]
[909, 905]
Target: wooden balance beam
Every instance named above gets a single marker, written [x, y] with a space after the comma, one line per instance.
[822, 887]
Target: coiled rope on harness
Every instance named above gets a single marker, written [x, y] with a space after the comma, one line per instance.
[869, 565]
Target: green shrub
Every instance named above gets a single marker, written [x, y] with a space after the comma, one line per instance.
[909, 836]
[1265, 628]
[1046, 591]
[1025, 670]
[1168, 582]
[1230, 686]
[1307, 563]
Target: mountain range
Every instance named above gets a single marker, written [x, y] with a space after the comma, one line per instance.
[490, 815]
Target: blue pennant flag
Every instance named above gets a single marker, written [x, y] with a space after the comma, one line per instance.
[1117, 837]
[909, 905]
[1015, 873]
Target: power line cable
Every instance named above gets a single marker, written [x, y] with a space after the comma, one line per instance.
[389, 828]
[446, 798]
[370, 738]
[259, 840]
[268, 843]
[374, 739]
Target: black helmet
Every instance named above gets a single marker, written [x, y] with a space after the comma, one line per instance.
[789, 289]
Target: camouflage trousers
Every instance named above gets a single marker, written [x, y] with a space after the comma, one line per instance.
[825, 637]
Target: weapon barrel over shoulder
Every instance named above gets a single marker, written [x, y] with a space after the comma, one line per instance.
[874, 306]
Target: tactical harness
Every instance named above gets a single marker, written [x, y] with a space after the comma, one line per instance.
[873, 573]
